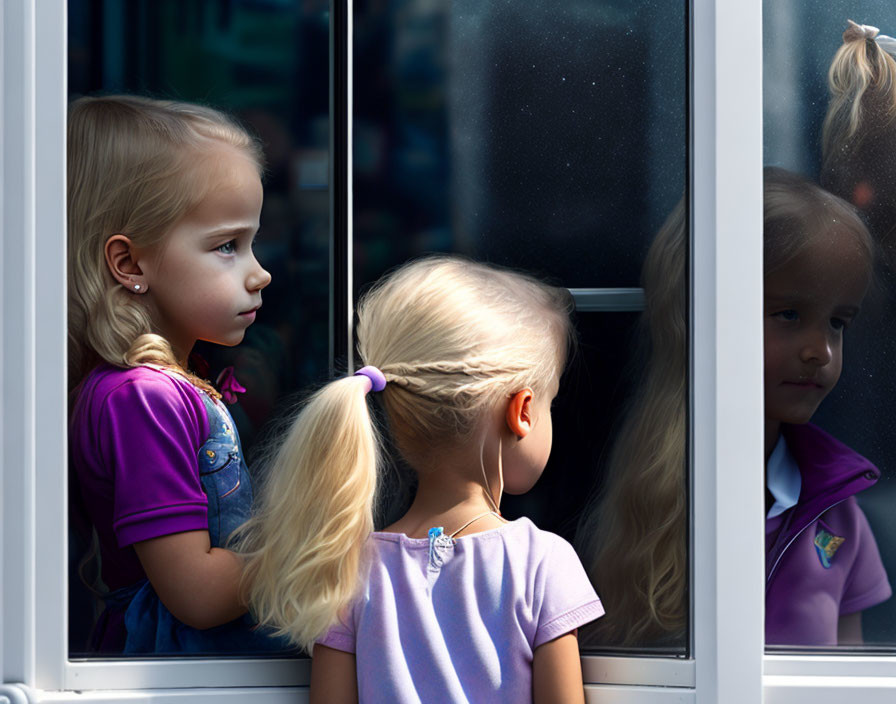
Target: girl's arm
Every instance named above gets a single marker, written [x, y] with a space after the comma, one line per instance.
[557, 672]
[333, 677]
[197, 583]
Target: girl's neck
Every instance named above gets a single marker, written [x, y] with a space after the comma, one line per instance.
[450, 492]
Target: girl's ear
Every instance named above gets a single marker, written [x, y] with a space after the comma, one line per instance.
[120, 259]
[520, 413]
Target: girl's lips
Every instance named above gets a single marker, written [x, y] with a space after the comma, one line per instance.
[804, 384]
[249, 314]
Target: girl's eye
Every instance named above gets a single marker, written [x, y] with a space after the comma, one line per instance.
[789, 315]
[839, 323]
[228, 247]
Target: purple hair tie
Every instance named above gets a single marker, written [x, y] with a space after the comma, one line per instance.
[375, 377]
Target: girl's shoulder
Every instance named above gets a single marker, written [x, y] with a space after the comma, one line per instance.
[107, 379]
[134, 392]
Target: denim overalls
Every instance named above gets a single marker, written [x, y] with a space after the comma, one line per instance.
[151, 628]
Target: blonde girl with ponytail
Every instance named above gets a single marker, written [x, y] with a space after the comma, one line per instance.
[452, 602]
[164, 201]
[859, 132]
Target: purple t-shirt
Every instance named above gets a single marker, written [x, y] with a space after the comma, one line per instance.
[822, 558]
[134, 437]
[462, 625]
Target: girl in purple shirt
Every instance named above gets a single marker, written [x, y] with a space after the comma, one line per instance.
[163, 206]
[822, 563]
[451, 603]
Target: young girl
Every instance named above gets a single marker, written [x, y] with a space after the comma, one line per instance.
[823, 566]
[451, 602]
[822, 562]
[163, 205]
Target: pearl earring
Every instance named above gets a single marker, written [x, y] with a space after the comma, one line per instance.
[136, 287]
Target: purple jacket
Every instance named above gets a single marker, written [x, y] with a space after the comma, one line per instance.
[822, 561]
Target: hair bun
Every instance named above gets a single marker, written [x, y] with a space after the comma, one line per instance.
[855, 32]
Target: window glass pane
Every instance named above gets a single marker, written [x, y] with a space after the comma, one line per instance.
[829, 100]
[553, 137]
[263, 62]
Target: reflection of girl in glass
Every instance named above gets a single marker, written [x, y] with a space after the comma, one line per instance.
[163, 205]
[822, 562]
[451, 602]
[823, 566]
[633, 542]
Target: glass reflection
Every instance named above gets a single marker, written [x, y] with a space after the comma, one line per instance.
[829, 100]
[823, 567]
[633, 542]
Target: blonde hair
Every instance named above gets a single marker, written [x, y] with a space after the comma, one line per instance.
[859, 132]
[633, 540]
[135, 167]
[452, 337]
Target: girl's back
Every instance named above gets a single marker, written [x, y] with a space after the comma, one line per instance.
[459, 619]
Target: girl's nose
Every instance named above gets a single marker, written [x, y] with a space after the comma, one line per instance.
[817, 349]
[258, 277]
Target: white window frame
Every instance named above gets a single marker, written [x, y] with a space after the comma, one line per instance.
[726, 663]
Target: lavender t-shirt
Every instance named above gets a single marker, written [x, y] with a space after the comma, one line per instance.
[134, 437]
[462, 624]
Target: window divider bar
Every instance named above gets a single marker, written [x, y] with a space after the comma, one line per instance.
[727, 533]
[18, 601]
[50, 337]
[340, 182]
[608, 300]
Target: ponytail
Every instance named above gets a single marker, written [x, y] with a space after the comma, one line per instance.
[862, 83]
[304, 546]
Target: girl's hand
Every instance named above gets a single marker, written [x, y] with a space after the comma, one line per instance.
[557, 672]
[333, 677]
[197, 583]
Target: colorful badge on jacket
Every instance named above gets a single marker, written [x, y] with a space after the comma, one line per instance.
[826, 544]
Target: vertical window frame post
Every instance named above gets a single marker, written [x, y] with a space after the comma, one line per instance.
[727, 436]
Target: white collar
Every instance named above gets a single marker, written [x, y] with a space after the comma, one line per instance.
[783, 479]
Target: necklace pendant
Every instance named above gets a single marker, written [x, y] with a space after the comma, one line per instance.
[437, 539]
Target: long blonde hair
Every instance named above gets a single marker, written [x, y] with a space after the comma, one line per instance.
[452, 337]
[859, 132]
[135, 167]
[633, 539]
